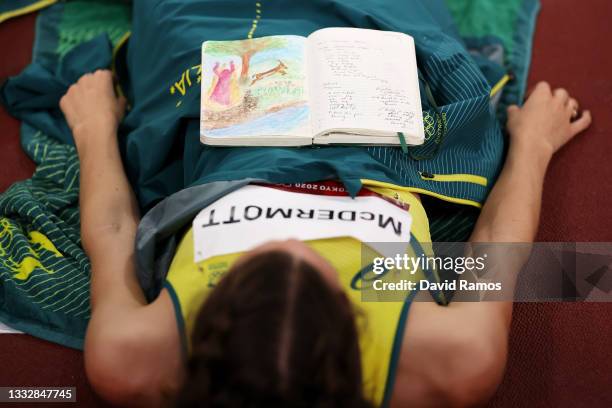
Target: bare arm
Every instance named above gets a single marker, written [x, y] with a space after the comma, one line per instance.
[537, 131]
[511, 213]
[109, 212]
[456, 355]
[124, 332]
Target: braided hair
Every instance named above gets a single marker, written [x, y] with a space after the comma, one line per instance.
[274, 333]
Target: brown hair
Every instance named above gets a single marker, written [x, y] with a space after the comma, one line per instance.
[274, 333]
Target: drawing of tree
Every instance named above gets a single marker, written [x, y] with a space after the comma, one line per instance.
[245, 49]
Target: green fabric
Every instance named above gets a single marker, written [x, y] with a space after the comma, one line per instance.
[66, 24]
[481, 18]
[512, 22]
[53, 303]
[471, 145]
[163, 175]
[13, 5]
[473, 142]
[83, 20]
[45, 289]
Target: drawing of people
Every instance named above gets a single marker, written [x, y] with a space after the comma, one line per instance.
[222, 92]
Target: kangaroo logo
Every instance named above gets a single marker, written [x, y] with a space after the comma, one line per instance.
[22, 268]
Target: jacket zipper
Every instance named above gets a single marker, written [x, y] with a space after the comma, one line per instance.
[465, 178]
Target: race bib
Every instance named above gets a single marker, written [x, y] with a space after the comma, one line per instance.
[254, 215]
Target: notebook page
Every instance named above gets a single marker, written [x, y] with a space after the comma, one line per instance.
[363, 80]
[254, 87]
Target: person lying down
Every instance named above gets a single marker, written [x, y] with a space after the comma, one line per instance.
[281, 325]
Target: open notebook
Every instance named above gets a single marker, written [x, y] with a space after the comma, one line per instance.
[336, 86]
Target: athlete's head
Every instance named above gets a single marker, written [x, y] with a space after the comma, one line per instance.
[276, 331]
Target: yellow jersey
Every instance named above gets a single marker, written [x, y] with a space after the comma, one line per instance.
[382, 322]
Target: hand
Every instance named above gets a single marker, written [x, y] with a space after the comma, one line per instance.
[91, 107]
[546, 120]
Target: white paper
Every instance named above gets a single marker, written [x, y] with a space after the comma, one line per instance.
[254, 215]
[364, 79]
[4, 329]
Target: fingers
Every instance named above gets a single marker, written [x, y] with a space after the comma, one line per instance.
[543, 86]
[572, 107]
[571, 104]
[66, 100]
[67, 106]
[512, 109]
[77, 92]
[122, 101]
[541, 91]
[581, 123]
[121, 105]
[561, 95]
[63, 103]
[103, 75]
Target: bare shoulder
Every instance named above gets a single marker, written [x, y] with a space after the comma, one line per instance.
[137, 358]
[443, 363]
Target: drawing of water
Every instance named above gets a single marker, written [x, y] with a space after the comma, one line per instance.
[289, 121]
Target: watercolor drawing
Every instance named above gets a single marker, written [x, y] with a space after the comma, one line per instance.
[224, 85]
[255, 87]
